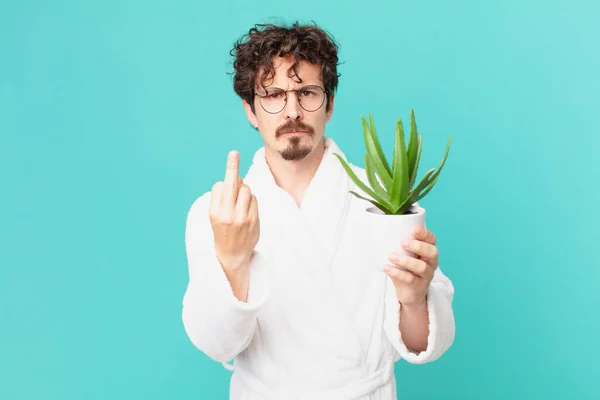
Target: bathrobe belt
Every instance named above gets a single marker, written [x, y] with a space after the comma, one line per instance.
[357, 388]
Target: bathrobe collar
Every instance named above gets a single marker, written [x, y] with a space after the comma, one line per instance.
[325, 204]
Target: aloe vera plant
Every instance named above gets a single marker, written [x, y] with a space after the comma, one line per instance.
[395, 191]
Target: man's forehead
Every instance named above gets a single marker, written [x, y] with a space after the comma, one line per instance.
[284, 75]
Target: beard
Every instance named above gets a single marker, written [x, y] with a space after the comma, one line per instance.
[295, 150]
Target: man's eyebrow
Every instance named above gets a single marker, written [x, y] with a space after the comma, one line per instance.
[299, 88]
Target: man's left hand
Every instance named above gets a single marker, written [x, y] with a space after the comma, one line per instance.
[412, 284]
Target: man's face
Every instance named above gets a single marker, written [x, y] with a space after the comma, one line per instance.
[293, 132]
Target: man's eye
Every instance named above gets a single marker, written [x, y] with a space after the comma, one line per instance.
[274, 95]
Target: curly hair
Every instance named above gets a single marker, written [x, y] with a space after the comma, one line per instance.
[254, 52]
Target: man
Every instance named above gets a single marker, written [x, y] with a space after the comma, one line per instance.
[278, 279]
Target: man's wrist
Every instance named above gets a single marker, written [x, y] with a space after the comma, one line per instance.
[238, 281]
[416, 306]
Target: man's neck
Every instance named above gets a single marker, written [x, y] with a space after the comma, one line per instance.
[295, 176]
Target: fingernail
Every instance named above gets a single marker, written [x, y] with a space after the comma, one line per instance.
[394, 257]
[418, 230]
[406, 243]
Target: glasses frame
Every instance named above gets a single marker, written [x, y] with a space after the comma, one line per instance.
[325, 93]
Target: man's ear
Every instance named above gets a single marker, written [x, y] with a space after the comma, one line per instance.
[330, 111]
[250, 114]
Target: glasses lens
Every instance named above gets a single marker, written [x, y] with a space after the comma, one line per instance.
[273, 101]
[311, 98]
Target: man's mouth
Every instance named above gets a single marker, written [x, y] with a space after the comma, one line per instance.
[295, 133]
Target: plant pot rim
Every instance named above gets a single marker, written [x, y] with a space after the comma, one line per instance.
[376, 212]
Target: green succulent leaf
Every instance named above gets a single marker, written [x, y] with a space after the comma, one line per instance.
[361, 185]
[400, 188]
[428, 188]
[415, 169]
[381, 207]
[423, 184]
[414, 194]
[373, 182]
[439, 169]
[376, 153]
[414, 149]
[436, 175]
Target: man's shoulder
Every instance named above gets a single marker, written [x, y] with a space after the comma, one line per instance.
[200, 205]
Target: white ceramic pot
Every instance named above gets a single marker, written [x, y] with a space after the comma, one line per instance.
[386, 232]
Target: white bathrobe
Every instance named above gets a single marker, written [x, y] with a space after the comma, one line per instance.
[321, 321]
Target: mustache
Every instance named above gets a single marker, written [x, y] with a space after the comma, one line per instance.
[294, 126]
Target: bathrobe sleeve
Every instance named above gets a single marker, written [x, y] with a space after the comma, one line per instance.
[216, 322]
[441, 321]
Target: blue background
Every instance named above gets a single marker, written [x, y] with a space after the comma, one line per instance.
[116, 115]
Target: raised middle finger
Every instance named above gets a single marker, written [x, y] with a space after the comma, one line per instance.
[231, 181]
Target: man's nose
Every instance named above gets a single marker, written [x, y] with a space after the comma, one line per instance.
[292, 108]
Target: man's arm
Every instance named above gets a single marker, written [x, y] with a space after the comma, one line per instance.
[239, 280]
[219, 316]
[414, 326]
[410, 344]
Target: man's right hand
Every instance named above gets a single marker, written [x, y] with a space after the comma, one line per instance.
[234, 218]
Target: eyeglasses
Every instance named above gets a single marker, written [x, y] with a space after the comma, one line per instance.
[310, 98]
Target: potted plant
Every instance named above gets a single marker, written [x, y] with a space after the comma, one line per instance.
[394, 195]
